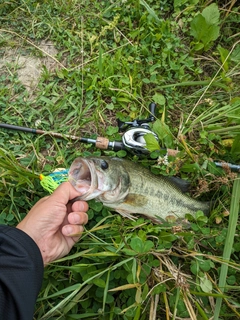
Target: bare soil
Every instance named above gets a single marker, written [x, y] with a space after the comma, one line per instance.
[27, 66]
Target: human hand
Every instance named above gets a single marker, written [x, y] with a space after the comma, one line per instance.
[54, 224]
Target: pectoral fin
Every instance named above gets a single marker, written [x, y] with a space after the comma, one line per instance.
[135, 200]
[130, 205]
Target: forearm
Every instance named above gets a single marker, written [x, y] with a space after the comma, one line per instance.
[21, 274]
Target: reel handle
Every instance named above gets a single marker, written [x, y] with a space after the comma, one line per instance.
[152, 108]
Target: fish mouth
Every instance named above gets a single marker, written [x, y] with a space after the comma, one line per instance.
[83, 176]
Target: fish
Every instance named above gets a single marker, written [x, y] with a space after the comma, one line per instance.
[129, 189]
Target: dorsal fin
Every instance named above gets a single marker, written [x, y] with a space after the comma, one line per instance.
[181, 184]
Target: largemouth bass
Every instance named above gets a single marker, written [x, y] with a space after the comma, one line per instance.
[129, 188]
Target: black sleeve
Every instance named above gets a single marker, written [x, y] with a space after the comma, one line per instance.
[21, 274]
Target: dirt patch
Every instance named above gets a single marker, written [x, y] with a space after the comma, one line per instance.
[27, 67]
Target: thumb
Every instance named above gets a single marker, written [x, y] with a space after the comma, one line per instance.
[65, 192]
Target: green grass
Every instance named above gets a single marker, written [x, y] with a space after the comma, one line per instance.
[114, 58]
[233, 220]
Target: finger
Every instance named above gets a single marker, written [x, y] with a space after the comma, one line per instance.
[65, 192]
[78, 218]
[80, 206]
[72, 230]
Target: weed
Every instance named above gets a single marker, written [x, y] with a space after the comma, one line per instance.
[205, 27]
[110, 60]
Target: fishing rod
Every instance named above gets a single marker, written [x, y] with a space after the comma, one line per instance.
[132, 139]
[100, 142]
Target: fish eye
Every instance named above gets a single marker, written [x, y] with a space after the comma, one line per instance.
[104, 164]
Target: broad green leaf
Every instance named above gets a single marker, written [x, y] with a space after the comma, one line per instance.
[190, 167]
[199, 214]
[211, 35]
[202, 220]
[198, 27]
[205, 265]
[121, 153]
[148, 245]
[205, 284]
[198, 46]
[163, 132]
[136, 244]
[194, 267]
[151, 142]
[211, 14]
[235, 56]
[96, 206]
[159, 99]
[99, 283]
[191, 244]
[110, 106]
[223, 55]
[203, 31]
[159, 288]
[236, 246]
[231, 280]
[111, 130]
